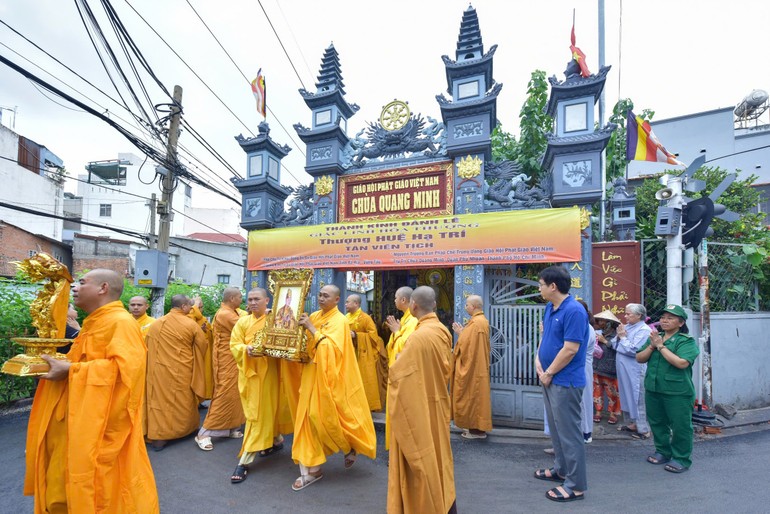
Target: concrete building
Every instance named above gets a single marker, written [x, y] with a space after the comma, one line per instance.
[106, 191]
[728, 141]
[220, 260]
[32, 177]
[17, 244]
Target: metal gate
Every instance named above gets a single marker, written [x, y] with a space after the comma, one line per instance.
[517, 398]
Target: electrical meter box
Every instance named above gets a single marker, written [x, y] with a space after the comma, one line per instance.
[668, 221]
[151, 269]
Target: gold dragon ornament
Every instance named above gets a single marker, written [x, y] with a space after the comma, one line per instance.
[49, 315]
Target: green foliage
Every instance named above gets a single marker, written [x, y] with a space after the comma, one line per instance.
[15, 321]
[534, 125]
[211, 295]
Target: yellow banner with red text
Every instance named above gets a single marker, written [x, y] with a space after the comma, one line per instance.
[541, 235]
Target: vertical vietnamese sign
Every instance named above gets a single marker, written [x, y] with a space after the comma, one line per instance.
[616, 276]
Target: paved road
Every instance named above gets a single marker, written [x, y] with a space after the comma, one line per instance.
[728, 475]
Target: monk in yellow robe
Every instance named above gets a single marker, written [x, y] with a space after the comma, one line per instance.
[85, 451]
[369, 348]
[471, 395]
[175, 349]
[196, 314]
[421, 466]
[262, 382]
[399, 333]
[333, 414]
[138, 306]
[225, 415]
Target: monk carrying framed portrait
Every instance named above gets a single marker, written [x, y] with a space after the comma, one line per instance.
[283, 336]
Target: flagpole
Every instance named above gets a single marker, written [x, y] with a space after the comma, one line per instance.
[603, 162]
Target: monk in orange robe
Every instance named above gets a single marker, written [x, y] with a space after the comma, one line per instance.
[196, 314]
[369, 349]
[85, 451]
[332, 414]
[225, 415]
[421, 466]
[175, 349]
[138, 306]
[471, 395]
[399, 333]
[262, 382]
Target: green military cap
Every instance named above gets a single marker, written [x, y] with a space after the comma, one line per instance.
[676, 310]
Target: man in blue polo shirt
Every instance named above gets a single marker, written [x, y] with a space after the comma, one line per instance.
[560, 366]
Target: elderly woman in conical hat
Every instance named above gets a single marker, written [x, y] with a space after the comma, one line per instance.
[605, 376]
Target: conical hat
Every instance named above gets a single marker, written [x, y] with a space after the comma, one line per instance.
[608, 316]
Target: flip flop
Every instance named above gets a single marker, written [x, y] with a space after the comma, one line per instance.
[625, 428]
[204, 443]
[675, 467]
[640, 436]
[657, 459]
[306, 480]
[597, 419]
[239, 475]
[561, 497]
[471, 435]
[540, 474]
[271, 450]
[236, 435]
[612, 421]
[350, 459]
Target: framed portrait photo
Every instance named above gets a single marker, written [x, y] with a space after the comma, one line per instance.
[283, 336]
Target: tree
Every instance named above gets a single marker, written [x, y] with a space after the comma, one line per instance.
[534, 124]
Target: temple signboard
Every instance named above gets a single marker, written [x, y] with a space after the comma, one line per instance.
[415, 191]
[616, 277]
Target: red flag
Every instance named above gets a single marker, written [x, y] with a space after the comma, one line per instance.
[578, 55]
[260, 93]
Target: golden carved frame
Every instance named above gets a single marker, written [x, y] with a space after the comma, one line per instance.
[283, 337]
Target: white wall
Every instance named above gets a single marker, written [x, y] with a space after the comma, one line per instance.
[211, 220]
[20, 186]
[128, 212]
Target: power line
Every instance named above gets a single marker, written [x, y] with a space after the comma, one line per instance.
[279, 41]
[286, 131]
[125, 232]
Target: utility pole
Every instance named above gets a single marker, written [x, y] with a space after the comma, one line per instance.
[603, 157]
[165, 211]
[674, 247]
[153, 205]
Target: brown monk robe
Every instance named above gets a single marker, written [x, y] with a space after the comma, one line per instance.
[225, 415]
[196, 314]
[471, 396]
[85, 451]
[175, 348]
[369, 349]
[421, 467]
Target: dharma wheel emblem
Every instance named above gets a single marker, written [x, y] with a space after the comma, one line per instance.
[394, 115]
[324, 185]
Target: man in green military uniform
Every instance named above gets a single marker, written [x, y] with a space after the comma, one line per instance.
[670, 393]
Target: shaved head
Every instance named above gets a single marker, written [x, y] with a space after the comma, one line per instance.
[232, 296]
[112, 279]
[423, 301]
[405, 293]
[179, 300]
[137, 306]
[257, 301]
[476, 301]
[328, 297]
[352, 303]
[97, 288]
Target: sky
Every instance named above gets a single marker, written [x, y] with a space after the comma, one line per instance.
[674, 57]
